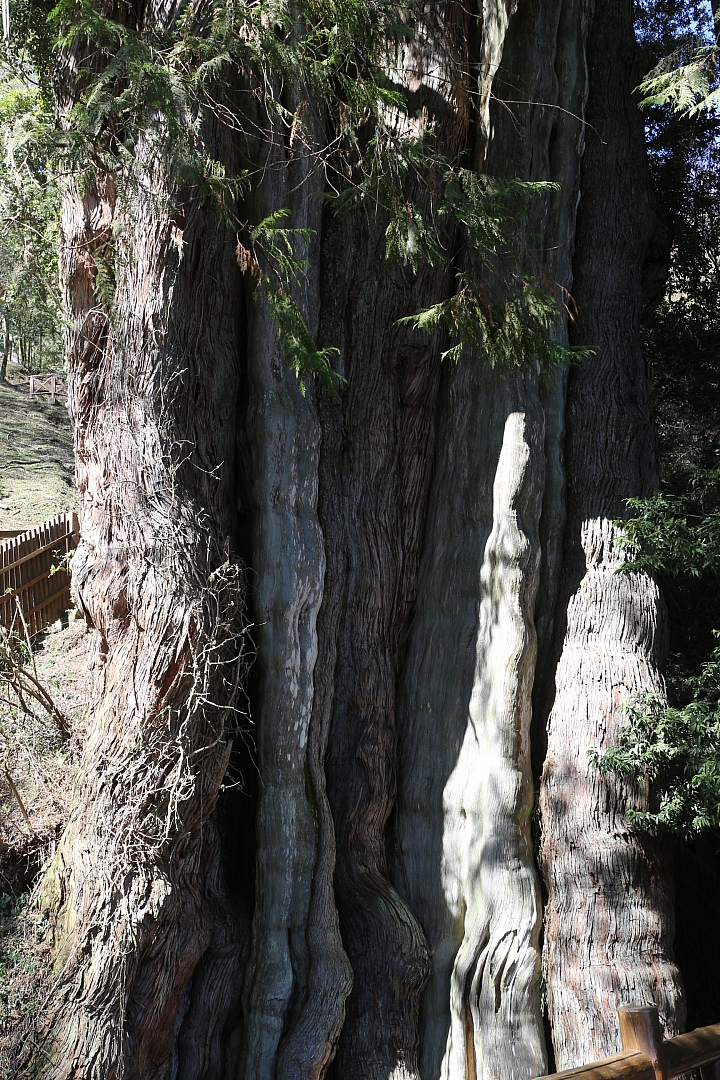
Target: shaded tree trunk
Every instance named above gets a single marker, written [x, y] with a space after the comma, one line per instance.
[408, 589]
[608, 887]
[7, 348]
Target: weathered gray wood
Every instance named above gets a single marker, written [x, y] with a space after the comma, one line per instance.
[463, 857]
[463, 854]
[289, 563]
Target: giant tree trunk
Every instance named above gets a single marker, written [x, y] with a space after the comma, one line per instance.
[608, 887]
[147, 946]
[407, 587]
[464, 857]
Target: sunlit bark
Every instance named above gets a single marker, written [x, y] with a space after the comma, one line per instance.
[430, 574]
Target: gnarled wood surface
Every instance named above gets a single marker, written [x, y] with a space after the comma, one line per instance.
[464, 858]
[136, 887]
[409, 588]
[609, 918]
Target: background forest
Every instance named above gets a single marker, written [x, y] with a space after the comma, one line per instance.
[677, 530]
[50, 144]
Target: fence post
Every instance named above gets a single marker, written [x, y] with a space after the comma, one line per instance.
[52, 390]
[711, 1072]
[32, 385]
[640, 1030]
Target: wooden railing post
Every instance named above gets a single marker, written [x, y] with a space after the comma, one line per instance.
[640, 1030]
[711, 1072]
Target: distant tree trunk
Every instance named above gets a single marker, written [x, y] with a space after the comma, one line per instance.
[7, 348]
[407, 588]
[608, 886]
[24, 352]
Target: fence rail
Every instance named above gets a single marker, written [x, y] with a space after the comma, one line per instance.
[646, 1056]
[49, 384]
[27, 576]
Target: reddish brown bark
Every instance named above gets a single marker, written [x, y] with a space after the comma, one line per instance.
[147, 943]
[183, 390]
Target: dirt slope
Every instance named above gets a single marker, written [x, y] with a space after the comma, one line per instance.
[36, 457]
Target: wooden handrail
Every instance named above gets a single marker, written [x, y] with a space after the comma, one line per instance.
[646, 1056]
[693, 1050]
[630, 1065]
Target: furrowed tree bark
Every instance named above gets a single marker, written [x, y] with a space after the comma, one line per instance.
[147, 945]
[609, 917]
[375, 471]
[464, 858]
[408, 589]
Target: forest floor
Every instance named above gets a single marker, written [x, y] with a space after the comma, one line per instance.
[37, 765]
[37, 472]
[37, 776]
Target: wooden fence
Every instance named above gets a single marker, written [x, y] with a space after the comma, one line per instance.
[27, 576]
[49, 384]
[646, 1056]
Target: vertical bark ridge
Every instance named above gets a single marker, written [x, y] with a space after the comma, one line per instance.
[483, 996]
[378, 482]
[139, 899]
[383, 428]
[375, 471]
[311, 1044]
[609, 919]
[463, 715]
[289, 563]
[487, 863]
[543, 85]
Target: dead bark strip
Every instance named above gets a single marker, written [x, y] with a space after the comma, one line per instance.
[609, 919]
[463, 858]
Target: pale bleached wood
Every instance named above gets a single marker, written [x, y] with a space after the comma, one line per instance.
[471, 656]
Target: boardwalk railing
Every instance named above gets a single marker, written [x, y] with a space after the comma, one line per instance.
[646, 1056]
[27, 573]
